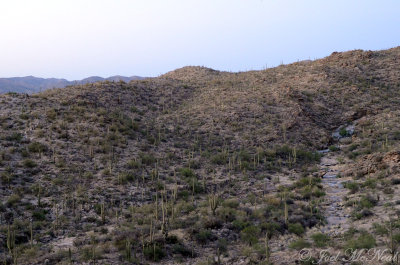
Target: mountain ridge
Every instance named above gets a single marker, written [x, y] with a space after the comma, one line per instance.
[32, 84]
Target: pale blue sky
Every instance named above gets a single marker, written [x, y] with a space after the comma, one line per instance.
[79, 38]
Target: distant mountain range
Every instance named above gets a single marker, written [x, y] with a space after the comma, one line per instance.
[31, 84]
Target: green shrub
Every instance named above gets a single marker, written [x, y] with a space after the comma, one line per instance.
[231, 203]
[15, 137]
[39, 215]
[88, 175]
[320, 239]
[299, 244]
[380, 229]
[333, 148]
[125, 177]
[51, 114]
[36, 147]
[179, 248]
[296, 228]
[132, 164]
[239, 225]
[359, 214]
[250, 234]
[352, 186]
[187, 172]
[147, 159]
[367, 202]
[365, 240]
[219, 159]
[29, 163]
[13, 199]
[343, 132]
[244, 156]
[203, 236]
[370, 183]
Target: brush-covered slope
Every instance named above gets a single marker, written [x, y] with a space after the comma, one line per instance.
[31, 84]
[174, 168]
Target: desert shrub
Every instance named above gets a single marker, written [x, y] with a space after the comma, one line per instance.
[368, 201]
[171, 239]
[51, 114]
[352, 186]
[231, 203]
[396, 135]
[353, 147]
[125, 177]
[353, 155]
[24, 116]
[39, 215]
[343, 132]
[308, 156]
[250, 234]
[306, 181]
[380, 229]
[187, 172]
[88, 175]
[359, 214]
[203, 236]
[370, 183]
[13, 199]
[147, 159]
[37, 147]
[388, 190]
[58, 181]
[219, 159]
[181, 249]
[212, 222]
[333, 148]
[15, 137]
[364, 240]
[194, 185]
[244, 156]
[24, 153]
[320, 239]
[28, 163]
[296, 228]
[239, 225]
[132, 164]
[317, 192]
[299, 244]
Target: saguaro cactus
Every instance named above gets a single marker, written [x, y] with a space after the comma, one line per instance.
[10, 239]
[213, 201]
[102, 213]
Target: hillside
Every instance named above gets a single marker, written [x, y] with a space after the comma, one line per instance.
[199, 166]
[31, 84]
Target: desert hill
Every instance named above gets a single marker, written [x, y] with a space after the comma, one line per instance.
[199, 166]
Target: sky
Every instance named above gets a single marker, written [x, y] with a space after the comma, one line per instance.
[74, 39]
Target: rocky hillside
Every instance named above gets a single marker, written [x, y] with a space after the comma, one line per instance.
[199, 166]
[31, 84]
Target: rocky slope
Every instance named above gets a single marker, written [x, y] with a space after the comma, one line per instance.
[199, 166]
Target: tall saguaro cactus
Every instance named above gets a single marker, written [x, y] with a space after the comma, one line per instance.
[213, 201]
